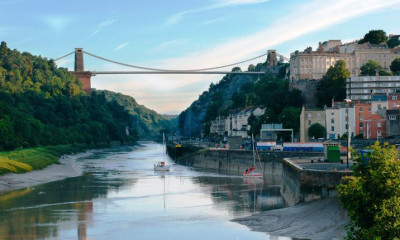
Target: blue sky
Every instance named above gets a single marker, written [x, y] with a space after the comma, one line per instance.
[182, 35]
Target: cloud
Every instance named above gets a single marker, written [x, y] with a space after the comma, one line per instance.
[57, 23]
[102, 25]
[301, 21]
[221, 4]
[213, 21]
[121, 46]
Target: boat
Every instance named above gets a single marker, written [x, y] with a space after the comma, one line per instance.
[162, 166]
[251, 171]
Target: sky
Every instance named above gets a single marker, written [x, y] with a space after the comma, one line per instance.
[178, 34]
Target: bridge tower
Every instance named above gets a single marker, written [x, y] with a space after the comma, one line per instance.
[79, 71]
[271, 58]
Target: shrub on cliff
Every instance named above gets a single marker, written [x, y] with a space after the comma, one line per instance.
[372, 195]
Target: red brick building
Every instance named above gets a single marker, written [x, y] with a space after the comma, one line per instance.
[370, 125]
[393, 101]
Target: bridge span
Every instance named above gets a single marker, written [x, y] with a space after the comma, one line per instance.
[85, 76]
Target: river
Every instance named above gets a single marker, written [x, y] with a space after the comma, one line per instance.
[120, 196]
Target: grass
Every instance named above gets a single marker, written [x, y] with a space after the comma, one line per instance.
[26, 160]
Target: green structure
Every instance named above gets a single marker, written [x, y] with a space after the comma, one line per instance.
[333, 154]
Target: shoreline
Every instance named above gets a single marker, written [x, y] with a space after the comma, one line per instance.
[318, 220]
[68, 167]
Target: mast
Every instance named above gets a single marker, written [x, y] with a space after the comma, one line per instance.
[254, 156]
[163, 145]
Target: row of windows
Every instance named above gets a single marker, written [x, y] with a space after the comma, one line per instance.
[377, 124]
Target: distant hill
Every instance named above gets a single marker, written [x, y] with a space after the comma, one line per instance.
[148, 123]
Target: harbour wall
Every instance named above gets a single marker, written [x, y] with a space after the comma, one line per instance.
[305, 185]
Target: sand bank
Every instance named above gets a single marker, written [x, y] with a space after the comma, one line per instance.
[324, 219]
[68, 167]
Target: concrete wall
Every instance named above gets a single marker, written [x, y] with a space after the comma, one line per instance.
[304, 185]
[235, 162]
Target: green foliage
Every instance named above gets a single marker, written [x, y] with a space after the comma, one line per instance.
[148, 123]
[26, 160]
[393, 42]
[41, 105]
[372, 196]
[289, 117]
[316, 131]
[333, 84]
[374, 37]
[370, 68]
[395, 66]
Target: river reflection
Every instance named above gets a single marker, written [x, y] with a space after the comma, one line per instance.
[121, 197]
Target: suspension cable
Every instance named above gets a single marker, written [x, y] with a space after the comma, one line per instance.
[66, 55]
[189, 70]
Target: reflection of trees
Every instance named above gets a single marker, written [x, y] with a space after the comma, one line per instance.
[249, 194]
[38, 210]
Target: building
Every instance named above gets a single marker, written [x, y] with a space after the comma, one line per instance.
[369, 124]
[393, 122]
[311, 64]
[337, 120]
[269, 131]
[237, 121]
[393, 101]
[307, 118]
[236, 124]
[364, 87]
[218, 126]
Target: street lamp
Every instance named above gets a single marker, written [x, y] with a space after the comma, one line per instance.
[348, 127]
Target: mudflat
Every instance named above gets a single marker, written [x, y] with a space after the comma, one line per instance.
[323, 219]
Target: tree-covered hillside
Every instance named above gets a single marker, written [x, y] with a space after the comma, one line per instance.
[41, 104]
[148, 123]
[241, 91]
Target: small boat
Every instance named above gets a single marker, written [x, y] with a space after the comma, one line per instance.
[161, 166]
[251, 171]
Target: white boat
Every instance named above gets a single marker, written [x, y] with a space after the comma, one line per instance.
[251, 171]
[162, 166]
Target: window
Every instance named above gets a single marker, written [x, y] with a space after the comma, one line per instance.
[379, 124]
[379, 133]
[332, 113]
[361, 124]
[361, 109]
[333, 128]
[309, 122]
[394, 98]
[332, 120]
[392, 117]
[361, 117]
[308, 115]
[369, 109]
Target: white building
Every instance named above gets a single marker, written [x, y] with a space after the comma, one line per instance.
[236, 124]
[364, 87]
[336, 120]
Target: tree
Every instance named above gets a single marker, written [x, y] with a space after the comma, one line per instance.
[395, 66]
[393, 42]
[333, 84]
[317, 131]
[374, 37]
[372, 196]
[370, 68]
